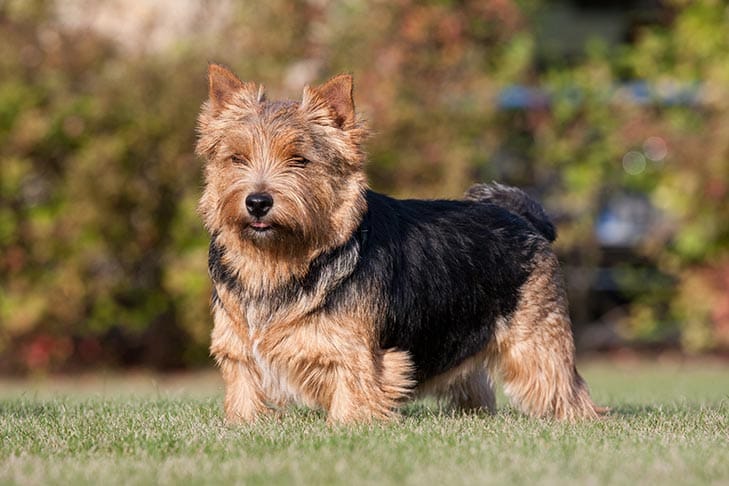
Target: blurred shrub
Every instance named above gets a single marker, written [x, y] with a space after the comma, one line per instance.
[101, 256]
[692, 185]
[671, 145]
[103, 259]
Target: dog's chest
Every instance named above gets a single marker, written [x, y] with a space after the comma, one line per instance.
[260, 316]
[276, 376]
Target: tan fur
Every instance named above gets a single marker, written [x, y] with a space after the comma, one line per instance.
[322, 220]
[274, 348]
[321, 361]
[230, 345]
[274, 353]
[534, 354]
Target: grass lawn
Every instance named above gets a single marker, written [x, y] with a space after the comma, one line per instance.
[669, 425]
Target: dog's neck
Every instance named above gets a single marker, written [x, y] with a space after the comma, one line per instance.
[270, 285]
[265, 301]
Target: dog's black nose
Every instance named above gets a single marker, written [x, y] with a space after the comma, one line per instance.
[259, 204]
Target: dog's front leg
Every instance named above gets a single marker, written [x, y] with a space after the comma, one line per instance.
[244, 400]
[332, 362]
[370, 386]
[231, 348]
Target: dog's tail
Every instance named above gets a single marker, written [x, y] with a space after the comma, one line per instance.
[516, 201]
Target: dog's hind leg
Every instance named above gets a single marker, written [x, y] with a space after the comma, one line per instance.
[534, 354]
[467, 387]
[474, 392]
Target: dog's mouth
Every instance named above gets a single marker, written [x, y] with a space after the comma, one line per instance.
[260, 226]
[257, 228]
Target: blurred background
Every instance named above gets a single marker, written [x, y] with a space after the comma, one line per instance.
[615, 114]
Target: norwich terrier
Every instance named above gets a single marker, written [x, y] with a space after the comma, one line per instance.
[330, 295]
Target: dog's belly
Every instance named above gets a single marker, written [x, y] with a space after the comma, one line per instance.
[438, 344]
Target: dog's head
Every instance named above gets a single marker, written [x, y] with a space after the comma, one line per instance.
[283, 175]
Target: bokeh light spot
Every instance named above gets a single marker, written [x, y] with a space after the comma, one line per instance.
[655, 148]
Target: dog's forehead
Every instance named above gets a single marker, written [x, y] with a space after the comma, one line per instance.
[278, 108]
[271, 126]
[276, 116]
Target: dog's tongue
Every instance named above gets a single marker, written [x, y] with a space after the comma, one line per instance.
[260, 225]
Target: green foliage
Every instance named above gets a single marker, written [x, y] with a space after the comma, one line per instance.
[596, 141]
[102, 257]
[98, 191]
[99, 240]
[689, 185]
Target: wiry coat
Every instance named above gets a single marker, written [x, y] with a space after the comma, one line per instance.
[342, 298]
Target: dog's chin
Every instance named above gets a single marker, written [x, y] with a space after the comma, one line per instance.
[269, 233]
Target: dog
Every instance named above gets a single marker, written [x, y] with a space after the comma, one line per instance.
[330, 295]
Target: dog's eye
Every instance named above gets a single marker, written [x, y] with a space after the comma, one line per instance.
[238, 160]
[298, 161]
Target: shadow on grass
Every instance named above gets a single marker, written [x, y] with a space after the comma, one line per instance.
[684, 407]
[630, 410]
[425, 409]
[428, 408]
[24, 409]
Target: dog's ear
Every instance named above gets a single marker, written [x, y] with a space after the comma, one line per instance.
[225, 88]
[333, 98]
